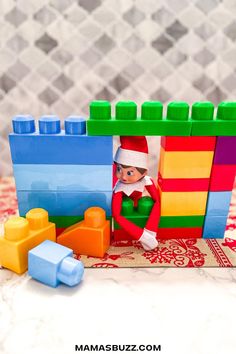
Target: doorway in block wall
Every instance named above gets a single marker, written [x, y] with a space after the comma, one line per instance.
[188, 201]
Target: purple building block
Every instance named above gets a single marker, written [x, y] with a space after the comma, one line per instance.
[225, 151]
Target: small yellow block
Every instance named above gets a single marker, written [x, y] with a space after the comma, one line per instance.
[185, 164]
[183, 203]
[21, 235]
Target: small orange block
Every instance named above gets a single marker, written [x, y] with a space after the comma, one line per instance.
[89, 237]
[21, 235]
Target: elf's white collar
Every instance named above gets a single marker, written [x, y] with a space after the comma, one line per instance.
[128, 189]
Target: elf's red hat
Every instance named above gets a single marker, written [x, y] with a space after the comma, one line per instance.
[133, 151]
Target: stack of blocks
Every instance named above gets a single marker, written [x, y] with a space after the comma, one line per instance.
[221, 185]
[62, 171]
[187, 150]
[184, 177]
[66, 172]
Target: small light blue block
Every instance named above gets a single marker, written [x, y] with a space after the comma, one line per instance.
[218, 203]
[81, 178]
[63, 203]
[214, 226]
[52, 264]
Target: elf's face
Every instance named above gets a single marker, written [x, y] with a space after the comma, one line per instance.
[128, 174]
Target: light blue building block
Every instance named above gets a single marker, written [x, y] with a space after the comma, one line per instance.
[218, 203]
[52, 264]
[214, 226]
[63, 203]
[81, 178]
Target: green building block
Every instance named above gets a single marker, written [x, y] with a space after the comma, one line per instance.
[151, 122]
[202, 119]
[65, 221]
[204, 123]
[226, 119]
[140, 214]
[181, 221]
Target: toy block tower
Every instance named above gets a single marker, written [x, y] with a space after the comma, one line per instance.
[62, 171]
[222, 177]
[184, 177]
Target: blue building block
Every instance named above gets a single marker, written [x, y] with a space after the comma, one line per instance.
[52, 264]
[50, 145]
[63, 203]
[82, 178]
[218, 203]
[214, 226]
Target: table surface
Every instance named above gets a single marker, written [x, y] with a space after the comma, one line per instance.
[184, 310]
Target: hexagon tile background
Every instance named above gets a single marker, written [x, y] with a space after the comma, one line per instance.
[57, 56]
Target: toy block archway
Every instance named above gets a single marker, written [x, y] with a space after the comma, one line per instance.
[195, 196]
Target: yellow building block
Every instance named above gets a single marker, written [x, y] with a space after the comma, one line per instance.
[21, 235]
[183, 203]
[185, 164]
[90, 237]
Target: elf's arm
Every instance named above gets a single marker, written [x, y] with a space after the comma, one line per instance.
[126, 225]
[154, 217]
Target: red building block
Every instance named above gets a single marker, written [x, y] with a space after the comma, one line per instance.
[59, 230]
[188, 143]
[121, 235]
[183, 184]
[165, 233]
[222, 177]
[179, 232]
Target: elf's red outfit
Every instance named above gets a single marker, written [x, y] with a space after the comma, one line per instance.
[134, 152]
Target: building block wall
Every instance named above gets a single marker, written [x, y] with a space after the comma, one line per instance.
[68, 171]
[62, 171]
[185, 164]
[183, 178]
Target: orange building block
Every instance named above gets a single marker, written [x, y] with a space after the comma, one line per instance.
[21, 235]
[90, 237]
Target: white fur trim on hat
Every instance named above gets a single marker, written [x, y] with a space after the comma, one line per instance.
[131, 158]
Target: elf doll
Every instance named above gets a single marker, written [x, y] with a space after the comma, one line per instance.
[131, 161]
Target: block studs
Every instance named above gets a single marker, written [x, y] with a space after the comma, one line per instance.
[23, 124]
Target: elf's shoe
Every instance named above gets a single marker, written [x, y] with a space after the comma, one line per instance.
[148, 240]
